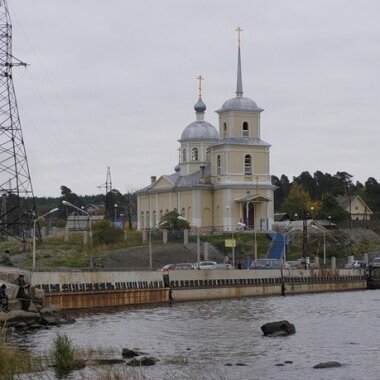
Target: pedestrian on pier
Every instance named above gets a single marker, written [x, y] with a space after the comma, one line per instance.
[3, 299]
[23, 292]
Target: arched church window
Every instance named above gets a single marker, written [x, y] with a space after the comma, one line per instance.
[224, 130]
[218, 165]
[184, 155]
[247, 164]
[142, 220]
[208, 153]
[194, 154]
[245, 129]
[154, 224]
[147, 225]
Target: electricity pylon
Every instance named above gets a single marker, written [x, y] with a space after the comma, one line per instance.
[108, 184]
[18, 204]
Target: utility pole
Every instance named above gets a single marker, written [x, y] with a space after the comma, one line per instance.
[18, 204]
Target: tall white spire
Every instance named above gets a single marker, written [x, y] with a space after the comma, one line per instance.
[239, 82]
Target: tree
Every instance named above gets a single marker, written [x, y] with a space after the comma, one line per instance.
[171, 221]
[307, 181]
[130, 207]
[298, 201]
[104, 233]
[330, 209]
[343, 184]
[281, 192]
[372, 195]
[114, 197]
[68, 196]
[324, 184]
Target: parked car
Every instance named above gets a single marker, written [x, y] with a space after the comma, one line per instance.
[296, 264]
[375, 263]
[180, 266]
[224, 266]
[269, 264]
[355, 264]
[206, 265]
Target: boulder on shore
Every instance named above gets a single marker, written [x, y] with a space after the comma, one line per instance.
[279, 328]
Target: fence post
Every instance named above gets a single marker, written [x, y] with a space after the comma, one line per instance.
[165, 236]
[67, 235]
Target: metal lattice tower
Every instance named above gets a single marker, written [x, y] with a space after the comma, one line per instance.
[17, 205]
[108, 184]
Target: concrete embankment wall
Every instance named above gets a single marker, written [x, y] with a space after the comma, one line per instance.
[79, 290]
[70, 290]
[217, 284]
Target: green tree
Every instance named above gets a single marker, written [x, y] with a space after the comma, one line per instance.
[372, 195]
[297, 201]
[114, 197]
[68, 196]
[282, 191]
[308, 183]
[172, 221]
[330, 209]
[130, 207]
[105, 233]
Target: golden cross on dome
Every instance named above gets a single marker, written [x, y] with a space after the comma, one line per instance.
[200, 79]
[239, 30]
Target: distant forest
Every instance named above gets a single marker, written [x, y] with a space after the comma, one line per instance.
[319, 190]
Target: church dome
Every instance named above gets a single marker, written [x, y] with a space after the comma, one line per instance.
[200, 106]
[200, 130]
[239, 103]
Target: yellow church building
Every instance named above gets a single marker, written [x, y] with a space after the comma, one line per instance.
[223, 176]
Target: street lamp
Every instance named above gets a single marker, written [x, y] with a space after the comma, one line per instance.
[324, 242]
[150, 250]
[232, 235]
[304, 230]
[115, 206]
[180, 217]
[34, 235]
[286, 236]
[65, 203]
[243, 225]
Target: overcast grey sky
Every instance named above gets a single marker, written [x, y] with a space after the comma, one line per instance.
[112, 83]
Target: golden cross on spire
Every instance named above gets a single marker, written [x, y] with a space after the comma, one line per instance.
[239, 30]
[200, 79]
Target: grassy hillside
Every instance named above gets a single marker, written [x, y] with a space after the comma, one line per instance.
[131, 253]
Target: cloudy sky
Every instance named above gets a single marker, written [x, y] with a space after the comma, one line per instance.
[112, 83]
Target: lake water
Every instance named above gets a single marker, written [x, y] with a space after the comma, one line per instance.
[215, 336]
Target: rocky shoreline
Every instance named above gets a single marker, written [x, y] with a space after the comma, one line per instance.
[36, 317]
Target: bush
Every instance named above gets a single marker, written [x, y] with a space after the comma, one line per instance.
[104, 233]
[14, 362]
[64, 355]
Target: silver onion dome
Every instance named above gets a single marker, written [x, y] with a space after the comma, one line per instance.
[200, 130]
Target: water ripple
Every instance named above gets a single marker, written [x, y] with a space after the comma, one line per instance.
[215, 336]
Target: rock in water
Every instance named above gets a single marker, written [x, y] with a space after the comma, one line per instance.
[144, 361]
[127, 353]
[330, 364]
[279, 328]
